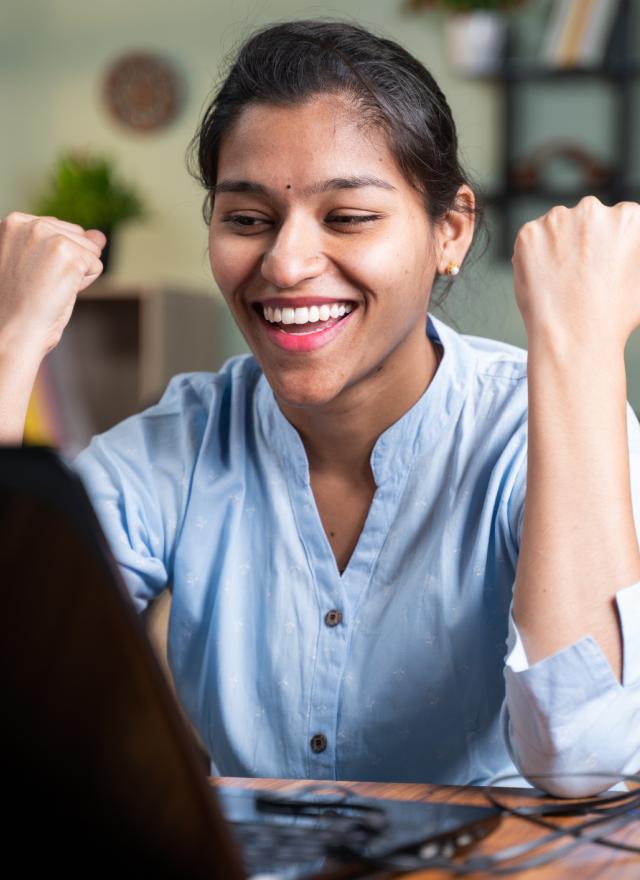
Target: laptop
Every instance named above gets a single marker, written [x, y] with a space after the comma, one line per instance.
[101, 775]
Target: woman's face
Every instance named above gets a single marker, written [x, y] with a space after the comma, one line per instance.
[311, 213]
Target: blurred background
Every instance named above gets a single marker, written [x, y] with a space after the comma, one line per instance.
[545, 95]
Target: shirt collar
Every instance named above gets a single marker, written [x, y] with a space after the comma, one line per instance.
[411, 435]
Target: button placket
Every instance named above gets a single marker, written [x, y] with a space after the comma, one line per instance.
[329, 656]
[324, 700]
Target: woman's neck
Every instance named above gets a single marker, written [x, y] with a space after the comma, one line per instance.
[340, 436]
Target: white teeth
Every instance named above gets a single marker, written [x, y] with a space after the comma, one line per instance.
[304, 315]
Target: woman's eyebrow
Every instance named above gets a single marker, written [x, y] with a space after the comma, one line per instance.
[251, 186]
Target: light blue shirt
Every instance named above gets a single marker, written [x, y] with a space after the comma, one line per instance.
[208, 491]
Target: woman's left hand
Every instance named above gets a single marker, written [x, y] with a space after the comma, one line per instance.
[577, 273]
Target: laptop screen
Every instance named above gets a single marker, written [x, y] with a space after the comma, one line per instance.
[101, 772]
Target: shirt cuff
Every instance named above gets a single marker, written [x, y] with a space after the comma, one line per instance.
[569, 713]
[628, 604]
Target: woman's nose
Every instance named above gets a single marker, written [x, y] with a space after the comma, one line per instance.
[293, 255]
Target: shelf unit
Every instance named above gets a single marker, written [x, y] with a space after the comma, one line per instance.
[619, 71]
[122, 345]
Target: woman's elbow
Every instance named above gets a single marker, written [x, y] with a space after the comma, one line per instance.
[583, 765]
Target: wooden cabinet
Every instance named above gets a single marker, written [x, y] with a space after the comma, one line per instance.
[122, 345]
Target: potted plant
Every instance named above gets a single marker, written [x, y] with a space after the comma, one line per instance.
[84, 189]
[476, 32]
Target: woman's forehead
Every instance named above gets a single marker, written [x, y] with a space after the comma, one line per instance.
[340, 109]
[311, 142]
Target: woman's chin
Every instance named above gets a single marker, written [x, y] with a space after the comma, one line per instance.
[302, 392]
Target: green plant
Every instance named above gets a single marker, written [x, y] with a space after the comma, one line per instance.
[84, 189]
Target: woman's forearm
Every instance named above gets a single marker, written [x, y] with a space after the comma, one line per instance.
[579, 544]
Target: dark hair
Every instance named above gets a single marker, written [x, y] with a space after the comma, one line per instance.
[287, 63]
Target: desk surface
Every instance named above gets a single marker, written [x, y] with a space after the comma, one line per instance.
[586, 861]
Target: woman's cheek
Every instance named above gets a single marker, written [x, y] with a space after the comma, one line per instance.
[228, 264]
[372, 266]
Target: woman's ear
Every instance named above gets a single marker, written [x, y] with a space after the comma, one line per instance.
[455, 231]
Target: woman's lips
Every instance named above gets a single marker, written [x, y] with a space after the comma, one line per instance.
[304, 337]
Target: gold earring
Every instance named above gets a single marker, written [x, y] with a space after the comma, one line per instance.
[452, 269]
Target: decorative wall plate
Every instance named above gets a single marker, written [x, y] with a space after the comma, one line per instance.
[143, 91]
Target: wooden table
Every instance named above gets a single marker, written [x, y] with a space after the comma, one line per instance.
[585, 862]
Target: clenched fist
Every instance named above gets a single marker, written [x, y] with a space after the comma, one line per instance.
[577, 273]
[44, 264]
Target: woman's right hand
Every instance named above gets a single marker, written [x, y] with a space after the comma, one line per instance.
[44, 264]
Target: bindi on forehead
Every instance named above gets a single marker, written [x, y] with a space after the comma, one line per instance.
[288, 186]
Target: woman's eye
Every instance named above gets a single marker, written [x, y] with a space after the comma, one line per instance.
[351, 219]
[243, 221]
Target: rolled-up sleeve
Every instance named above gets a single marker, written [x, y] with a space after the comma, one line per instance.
[569, 714]
[120, 499]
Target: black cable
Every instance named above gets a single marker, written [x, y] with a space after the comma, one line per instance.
[625, 805]
[607, 813]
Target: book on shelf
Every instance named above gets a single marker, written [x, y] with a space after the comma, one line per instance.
[578, 33]
[598, 32]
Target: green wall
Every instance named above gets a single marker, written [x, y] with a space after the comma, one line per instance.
[54, 54]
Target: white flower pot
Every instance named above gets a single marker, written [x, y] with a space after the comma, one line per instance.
[476, 41]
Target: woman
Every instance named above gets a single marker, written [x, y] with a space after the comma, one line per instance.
[340, 515]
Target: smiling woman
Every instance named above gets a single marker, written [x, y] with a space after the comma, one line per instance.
[341, 513]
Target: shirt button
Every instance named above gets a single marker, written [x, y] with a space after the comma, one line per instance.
[318, 742]
[333, 617]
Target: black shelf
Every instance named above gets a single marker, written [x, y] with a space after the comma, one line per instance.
[619, 71]
[515, 70]
[626, 192]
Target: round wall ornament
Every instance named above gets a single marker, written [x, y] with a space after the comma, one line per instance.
[143, 91]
